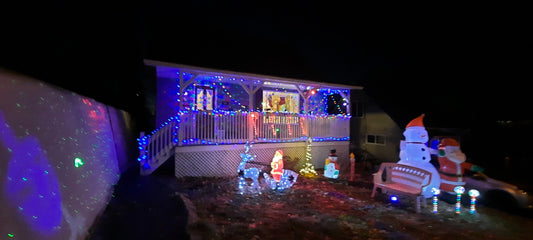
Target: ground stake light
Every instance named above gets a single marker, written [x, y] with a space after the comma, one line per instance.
[436, 193]
[473, 195]
[459, 190]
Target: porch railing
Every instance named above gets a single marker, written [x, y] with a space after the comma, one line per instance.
[220, 127]
[156, 148]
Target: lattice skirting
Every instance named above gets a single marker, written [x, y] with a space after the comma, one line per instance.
[223, 160]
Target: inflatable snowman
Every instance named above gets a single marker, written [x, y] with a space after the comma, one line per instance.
[414, 152]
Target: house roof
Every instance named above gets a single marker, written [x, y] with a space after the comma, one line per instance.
[167, 68]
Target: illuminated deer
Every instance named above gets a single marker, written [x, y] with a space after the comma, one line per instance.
[244, 173]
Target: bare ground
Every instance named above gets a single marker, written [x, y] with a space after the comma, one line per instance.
[321, 208]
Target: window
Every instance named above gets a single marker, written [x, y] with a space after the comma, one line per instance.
[375, 139]
[281, 101]
[205, 95]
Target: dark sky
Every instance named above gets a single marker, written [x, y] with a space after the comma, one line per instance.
[459, 64]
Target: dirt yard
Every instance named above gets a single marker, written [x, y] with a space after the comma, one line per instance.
[322, 208]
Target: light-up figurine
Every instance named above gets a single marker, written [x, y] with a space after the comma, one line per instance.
[252, 173]
[436, 193]
[331, 168]
[281, 178]
[352, 167]
[308, 170]
[277, 165]
[473, 195]
[459, 190]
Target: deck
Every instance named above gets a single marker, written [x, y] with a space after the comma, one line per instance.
[194, 129]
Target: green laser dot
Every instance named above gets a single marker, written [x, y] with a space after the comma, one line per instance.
[78, 162]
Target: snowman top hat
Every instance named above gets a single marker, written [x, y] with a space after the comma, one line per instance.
[417, 122]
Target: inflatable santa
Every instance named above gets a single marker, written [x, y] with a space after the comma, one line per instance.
[414, 152]
[452, 165]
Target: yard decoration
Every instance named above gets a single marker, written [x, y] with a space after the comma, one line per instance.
[308, 170]
[281, 178]
[459, 190]
[473, 193]
[331, 168]
[452, 165]
[244, 173]
[436, 193]
[277, 165]
[288, 178]
[352, 167]
[414, 152]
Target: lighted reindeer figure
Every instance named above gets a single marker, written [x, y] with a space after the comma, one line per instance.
[244, 173]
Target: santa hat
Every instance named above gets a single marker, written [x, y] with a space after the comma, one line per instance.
[279, 152]
[417, 122]
[448, 142]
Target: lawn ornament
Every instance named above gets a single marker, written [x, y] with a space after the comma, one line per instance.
[473, 193]
[277, 165]
[414, 152]
[435, 201]
[308, 170]
[452, 165]
[459, 190]
[331, 168]
[244, 173]
[281, 178]
[352, 167]
[288, 178]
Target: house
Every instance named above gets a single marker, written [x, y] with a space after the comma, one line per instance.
[205, 116]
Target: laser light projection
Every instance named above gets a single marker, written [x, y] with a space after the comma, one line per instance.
[78, 162]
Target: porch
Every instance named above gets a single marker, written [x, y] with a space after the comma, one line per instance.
[206, 115]
[201, 128]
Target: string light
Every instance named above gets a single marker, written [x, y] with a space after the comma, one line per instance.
[308, 170]
[287, 180]
[458, 190]
[473, 195]
[251, 173]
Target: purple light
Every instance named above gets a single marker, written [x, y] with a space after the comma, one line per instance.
[32, 184]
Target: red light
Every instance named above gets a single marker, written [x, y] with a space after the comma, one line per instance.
[313, 92]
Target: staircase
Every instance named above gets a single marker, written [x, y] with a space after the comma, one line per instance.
[156, 148]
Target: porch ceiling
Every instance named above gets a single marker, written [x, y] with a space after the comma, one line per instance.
[166, 69]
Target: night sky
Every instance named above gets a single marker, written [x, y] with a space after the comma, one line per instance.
[459, 64]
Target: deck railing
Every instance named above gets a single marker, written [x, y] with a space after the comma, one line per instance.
[156, 148]
[197, 128]
[220, 127]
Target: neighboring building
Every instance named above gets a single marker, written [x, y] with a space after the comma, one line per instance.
[376, 135]
[206, 115]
